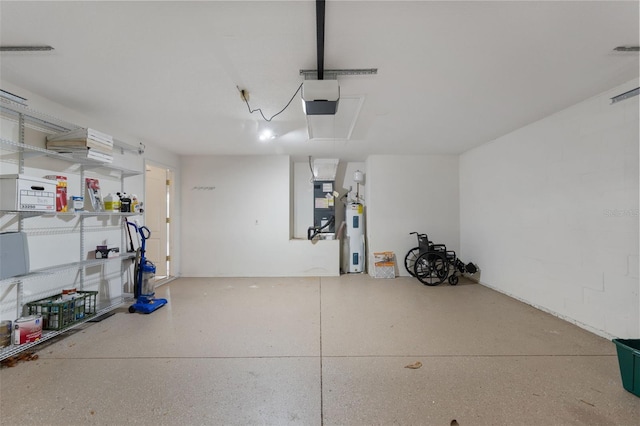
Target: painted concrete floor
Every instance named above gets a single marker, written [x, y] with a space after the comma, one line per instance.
[322, 351]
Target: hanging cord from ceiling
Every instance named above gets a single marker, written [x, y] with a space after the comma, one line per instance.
[320, 18]
[245, 97]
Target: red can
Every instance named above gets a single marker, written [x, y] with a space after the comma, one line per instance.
[27, 329]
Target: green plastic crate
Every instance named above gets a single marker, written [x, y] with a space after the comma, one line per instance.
[59, 314]
[629, 360]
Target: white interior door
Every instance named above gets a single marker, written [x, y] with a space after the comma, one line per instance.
[155, 217]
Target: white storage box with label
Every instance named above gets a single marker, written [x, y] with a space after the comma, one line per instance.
[27, 193]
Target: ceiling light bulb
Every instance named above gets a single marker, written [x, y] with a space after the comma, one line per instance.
[266, 135]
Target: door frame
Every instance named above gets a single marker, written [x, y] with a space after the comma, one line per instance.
[170, 203]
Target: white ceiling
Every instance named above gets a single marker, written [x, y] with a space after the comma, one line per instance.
[451, 75]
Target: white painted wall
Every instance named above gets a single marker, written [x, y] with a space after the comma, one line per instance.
[241, 226]
[411, 193]
[550, 214]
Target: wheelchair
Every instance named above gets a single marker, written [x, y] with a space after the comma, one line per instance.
[432, 263]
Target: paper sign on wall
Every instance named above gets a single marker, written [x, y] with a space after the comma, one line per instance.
[322, 203]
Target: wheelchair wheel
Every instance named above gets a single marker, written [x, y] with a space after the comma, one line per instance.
[410, 260]
[453, 279]
[431, 268]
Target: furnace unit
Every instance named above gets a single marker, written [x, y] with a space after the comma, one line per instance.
[324, 211]
[324, 196]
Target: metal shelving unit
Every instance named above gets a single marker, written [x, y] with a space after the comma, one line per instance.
[28, 151]
[40, 121]
[47, 335]
[63, 267]
[16, 152]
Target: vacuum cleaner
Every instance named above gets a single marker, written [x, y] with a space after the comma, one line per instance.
[145, 271]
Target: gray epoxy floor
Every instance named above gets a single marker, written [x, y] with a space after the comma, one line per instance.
[332, 351]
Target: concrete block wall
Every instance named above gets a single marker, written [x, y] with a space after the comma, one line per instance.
[550, 214]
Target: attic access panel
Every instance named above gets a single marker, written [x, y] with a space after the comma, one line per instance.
[339, 126]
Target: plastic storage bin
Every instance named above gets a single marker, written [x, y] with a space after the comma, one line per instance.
[629, 360]
[58, 314]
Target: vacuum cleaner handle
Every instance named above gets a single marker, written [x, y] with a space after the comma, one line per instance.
[127, 223]
[132, 224]
[144, 232]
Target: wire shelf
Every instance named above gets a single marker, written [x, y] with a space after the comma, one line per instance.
[47, 335]
[50, 270]
[88, 164]
[49, 124]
